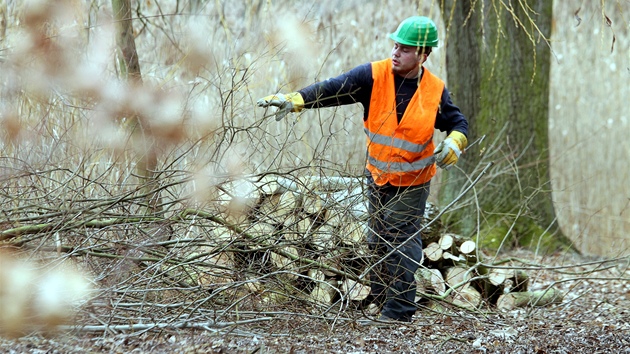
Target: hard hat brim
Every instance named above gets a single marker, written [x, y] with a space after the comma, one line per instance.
[402, 41]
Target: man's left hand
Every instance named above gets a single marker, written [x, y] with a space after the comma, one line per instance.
[447, 152]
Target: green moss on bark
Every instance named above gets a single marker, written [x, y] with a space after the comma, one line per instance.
[504, 91]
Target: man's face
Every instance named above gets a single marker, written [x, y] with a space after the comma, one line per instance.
[405, 60]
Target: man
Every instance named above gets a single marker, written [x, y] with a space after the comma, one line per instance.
[403, 103]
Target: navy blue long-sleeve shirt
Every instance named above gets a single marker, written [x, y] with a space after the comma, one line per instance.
[355, 86]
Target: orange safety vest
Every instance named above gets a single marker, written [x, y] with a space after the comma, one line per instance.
[401, 154]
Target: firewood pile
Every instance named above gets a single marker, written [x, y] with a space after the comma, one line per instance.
[312, 230]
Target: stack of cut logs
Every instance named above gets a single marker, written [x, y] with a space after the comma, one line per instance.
[453, 262]
[315, 227]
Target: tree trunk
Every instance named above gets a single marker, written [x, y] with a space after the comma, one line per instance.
[498, 62]
[146, 165]
[129, 65]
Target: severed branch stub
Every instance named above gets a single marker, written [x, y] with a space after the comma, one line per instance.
[510, 301]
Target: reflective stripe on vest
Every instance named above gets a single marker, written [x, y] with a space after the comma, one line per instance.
[395, 142]
[401, 153]
[402, 166]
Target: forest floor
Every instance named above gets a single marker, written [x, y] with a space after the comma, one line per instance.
[594, 317]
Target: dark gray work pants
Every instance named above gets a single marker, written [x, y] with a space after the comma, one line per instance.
[396, 213]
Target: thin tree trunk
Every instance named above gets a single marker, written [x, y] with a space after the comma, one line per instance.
[146, 164]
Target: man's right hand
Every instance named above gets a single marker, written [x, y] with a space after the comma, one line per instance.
[291, 102]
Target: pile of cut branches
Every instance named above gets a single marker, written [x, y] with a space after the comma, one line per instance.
[263, 246]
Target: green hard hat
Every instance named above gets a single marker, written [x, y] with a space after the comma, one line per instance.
[416, 31]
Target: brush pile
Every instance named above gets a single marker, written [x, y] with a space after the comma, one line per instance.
[257, 246]
[314, 229]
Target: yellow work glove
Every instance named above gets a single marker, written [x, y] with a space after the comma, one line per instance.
[291, 102]
[447, 152]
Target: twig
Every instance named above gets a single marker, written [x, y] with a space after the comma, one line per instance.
[450, 338]
[38, 228]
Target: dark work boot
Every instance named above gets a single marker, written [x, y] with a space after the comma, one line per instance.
[383, 322]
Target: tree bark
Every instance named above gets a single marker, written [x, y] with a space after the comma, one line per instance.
[498, 63]
[146, 165]
[125, 40]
